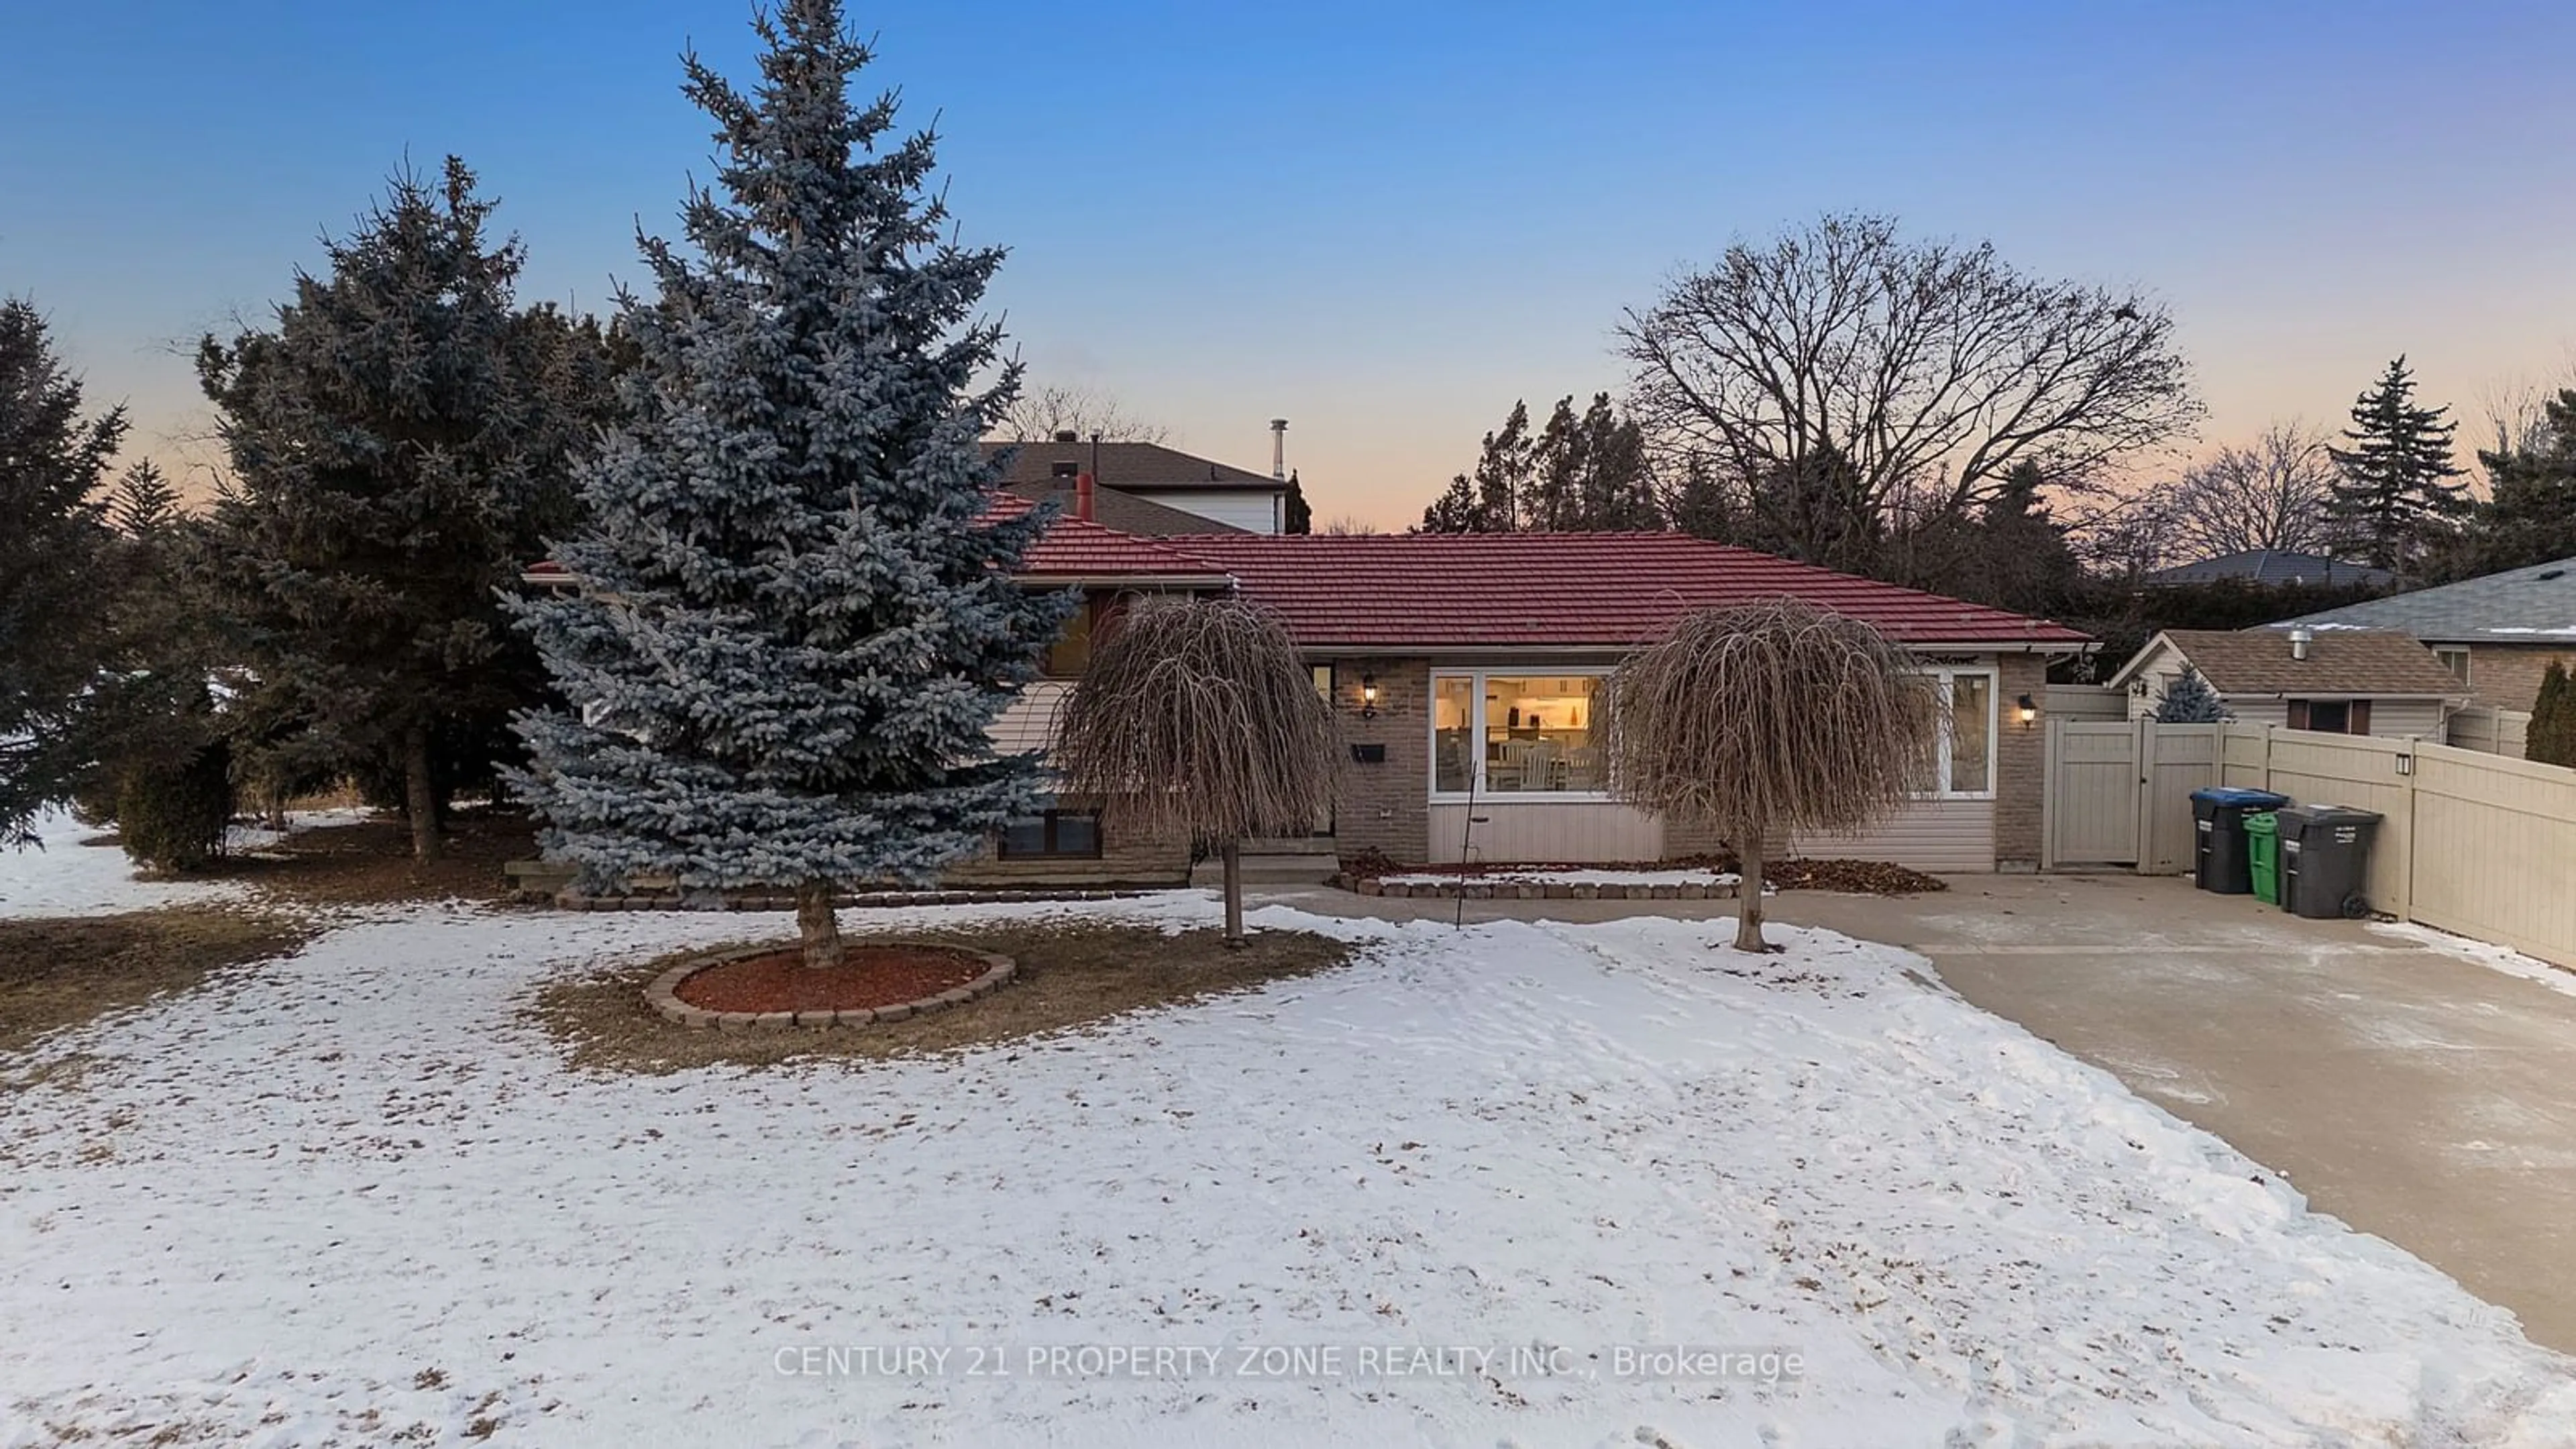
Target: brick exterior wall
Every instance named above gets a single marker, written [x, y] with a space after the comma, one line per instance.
[2507, 676]
[1124, 859]
[2021, 760]
[1385, 806]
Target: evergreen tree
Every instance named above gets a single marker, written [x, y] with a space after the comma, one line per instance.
[152, 732]
[794, 621]
[2011, 554]
[395, 441]
[2530, 517]
[2189, 700]
[1491, 499]
[2550, 737]
[145, 503]
[2395, 501]
[1816, 511]
[52, 536]
[1698, 503]
[1588, 473]
[1300, 518]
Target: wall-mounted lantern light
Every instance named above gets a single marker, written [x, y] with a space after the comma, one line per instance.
[1368, 696]
[2028, 709]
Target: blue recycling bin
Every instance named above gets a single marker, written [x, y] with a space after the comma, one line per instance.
[2220, 863]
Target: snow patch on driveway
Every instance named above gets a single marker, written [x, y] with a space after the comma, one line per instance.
[353, 1194]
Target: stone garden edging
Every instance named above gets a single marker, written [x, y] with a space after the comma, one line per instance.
[663, 994]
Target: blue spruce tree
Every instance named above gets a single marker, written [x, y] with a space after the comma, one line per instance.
[2190, 700]
[792, 623]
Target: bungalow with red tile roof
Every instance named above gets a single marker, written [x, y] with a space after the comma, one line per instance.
[1465, 670]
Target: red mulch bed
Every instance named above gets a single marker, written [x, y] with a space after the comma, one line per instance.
[870, 976]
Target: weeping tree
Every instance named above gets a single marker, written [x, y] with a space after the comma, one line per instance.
[1199, 718]
[1766, 720]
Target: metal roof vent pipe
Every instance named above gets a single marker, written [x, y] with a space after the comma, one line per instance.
[2300, 639]
[1279, 449]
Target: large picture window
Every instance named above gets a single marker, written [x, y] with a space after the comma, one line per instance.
[1516, 734]
[1962, 765]
[1053, 834]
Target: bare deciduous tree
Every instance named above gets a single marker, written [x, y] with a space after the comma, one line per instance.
[1766, 720]
[1199, 717]
[2271, 493]
[1039, 413]
[1925, 370]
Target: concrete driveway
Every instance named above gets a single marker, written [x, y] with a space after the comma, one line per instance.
[2425, 1098]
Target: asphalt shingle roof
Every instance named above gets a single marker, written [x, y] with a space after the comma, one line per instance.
[2534, 605]
[1124, 512]
[2340, 662]
[2273, 566]
[1126, 465]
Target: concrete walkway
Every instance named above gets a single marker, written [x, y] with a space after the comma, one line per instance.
[2415, 1095]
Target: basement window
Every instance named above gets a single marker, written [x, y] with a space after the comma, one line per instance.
[1053, 835]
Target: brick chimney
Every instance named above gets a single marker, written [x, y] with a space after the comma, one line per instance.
[1082, 492]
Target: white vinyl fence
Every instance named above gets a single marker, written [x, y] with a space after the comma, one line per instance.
[2470, 842]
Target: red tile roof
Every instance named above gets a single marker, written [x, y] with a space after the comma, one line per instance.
[1496, 590]
[1072, 548]
[1540, 589]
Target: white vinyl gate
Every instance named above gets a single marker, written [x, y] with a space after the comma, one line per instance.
[2118, 792]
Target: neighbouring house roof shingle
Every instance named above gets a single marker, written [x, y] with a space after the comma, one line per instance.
[2340, 662]
[1127, 466]
[1124, 512]
[1462, 591]
[2534, 605]
[2273, 566]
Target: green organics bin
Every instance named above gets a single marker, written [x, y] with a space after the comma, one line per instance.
[2263, 856]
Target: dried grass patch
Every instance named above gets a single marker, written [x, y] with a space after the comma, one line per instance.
[370, 862]
[1073, 975]
[65, 972]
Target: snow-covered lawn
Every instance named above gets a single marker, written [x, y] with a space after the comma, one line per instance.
[63, 877]
[1570, 877]
[347, 1194]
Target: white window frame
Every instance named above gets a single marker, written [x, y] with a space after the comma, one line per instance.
[1476, 730]
[1945, 678]
[2443, 654]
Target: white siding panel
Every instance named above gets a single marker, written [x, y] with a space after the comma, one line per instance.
[1928, 835]
[1551, 834]
[1256, 509]
[1027, 724]
[2258, 711]
[2398, 718]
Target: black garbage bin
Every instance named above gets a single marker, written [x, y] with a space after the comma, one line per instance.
[2218, 829]
[2325, 860]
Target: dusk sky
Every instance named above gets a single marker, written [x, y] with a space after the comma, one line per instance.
[1383, 222]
